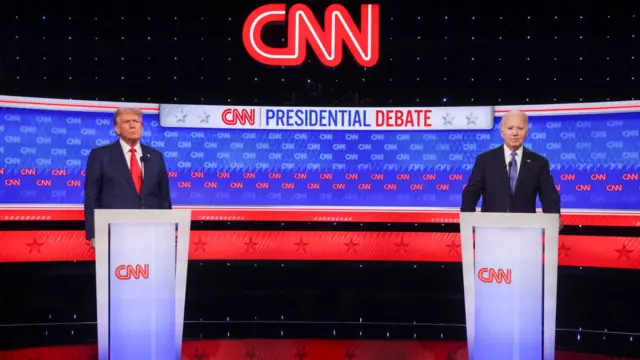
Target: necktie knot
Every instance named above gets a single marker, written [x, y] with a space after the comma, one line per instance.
[514, 154]
[133, 150]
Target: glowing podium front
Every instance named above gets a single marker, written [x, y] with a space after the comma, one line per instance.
[510, 271]
[141, 276]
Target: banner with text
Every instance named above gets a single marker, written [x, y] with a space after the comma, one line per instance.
[44, 144]
[317, 118]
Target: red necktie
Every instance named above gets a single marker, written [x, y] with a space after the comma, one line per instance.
[136, 173]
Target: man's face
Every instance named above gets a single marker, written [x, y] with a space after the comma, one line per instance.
[129, 126]
[513, 130]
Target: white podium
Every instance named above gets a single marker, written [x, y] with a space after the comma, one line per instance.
[141, 278]
[510, 271]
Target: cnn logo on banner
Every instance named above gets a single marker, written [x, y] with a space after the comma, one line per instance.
[128, 272]
[491, 275]
[303, 28]
[239, 116]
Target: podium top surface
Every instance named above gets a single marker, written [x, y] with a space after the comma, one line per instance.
[509, 219]
[142, 215]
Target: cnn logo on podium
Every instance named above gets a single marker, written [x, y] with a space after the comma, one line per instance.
[491, 275]
[128, 272]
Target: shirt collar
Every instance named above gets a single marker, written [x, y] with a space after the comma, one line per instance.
[126, 148]
[507, 152]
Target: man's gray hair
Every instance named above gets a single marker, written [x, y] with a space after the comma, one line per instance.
[126, 110]
[515, 112]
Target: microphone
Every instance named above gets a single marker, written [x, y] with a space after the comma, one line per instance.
[145, 158]
[509, 165]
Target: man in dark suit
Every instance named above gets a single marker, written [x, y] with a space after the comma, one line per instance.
[125, 174]
[510, 177]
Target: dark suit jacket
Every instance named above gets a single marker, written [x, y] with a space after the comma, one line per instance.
[490, 179]
[108, 183]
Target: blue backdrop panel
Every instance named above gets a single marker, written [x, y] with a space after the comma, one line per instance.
[594, 160]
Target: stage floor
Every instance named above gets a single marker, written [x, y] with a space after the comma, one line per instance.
[295, 349]
[254, 310]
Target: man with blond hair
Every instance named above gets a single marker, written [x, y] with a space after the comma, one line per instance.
[125, 174]
[510, 177]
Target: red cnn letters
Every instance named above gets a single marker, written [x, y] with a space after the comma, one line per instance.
[363, 43]
[491, 275]
[127, 272]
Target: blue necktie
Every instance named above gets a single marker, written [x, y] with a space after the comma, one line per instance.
[513, 172]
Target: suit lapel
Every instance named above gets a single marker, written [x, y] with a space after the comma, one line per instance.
[147, 178]
[523, 173]
[121, 165]
[502, 169]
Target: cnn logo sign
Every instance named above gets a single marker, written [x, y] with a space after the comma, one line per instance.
[128, 272]
[303, 28]
[491, 275]
[233, 117]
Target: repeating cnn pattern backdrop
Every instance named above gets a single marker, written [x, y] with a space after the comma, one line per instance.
[594, 159]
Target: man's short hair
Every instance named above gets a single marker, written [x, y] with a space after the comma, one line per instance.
[515, 112]
[126, 110]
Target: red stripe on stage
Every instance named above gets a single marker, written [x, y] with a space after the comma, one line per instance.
[588, 251]
[316, 215]
[289, 349]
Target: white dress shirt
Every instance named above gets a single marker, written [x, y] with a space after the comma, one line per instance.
[507, 157]
[127, 154]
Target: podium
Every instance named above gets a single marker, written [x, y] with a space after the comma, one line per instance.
[141, 278]
[510, 271]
